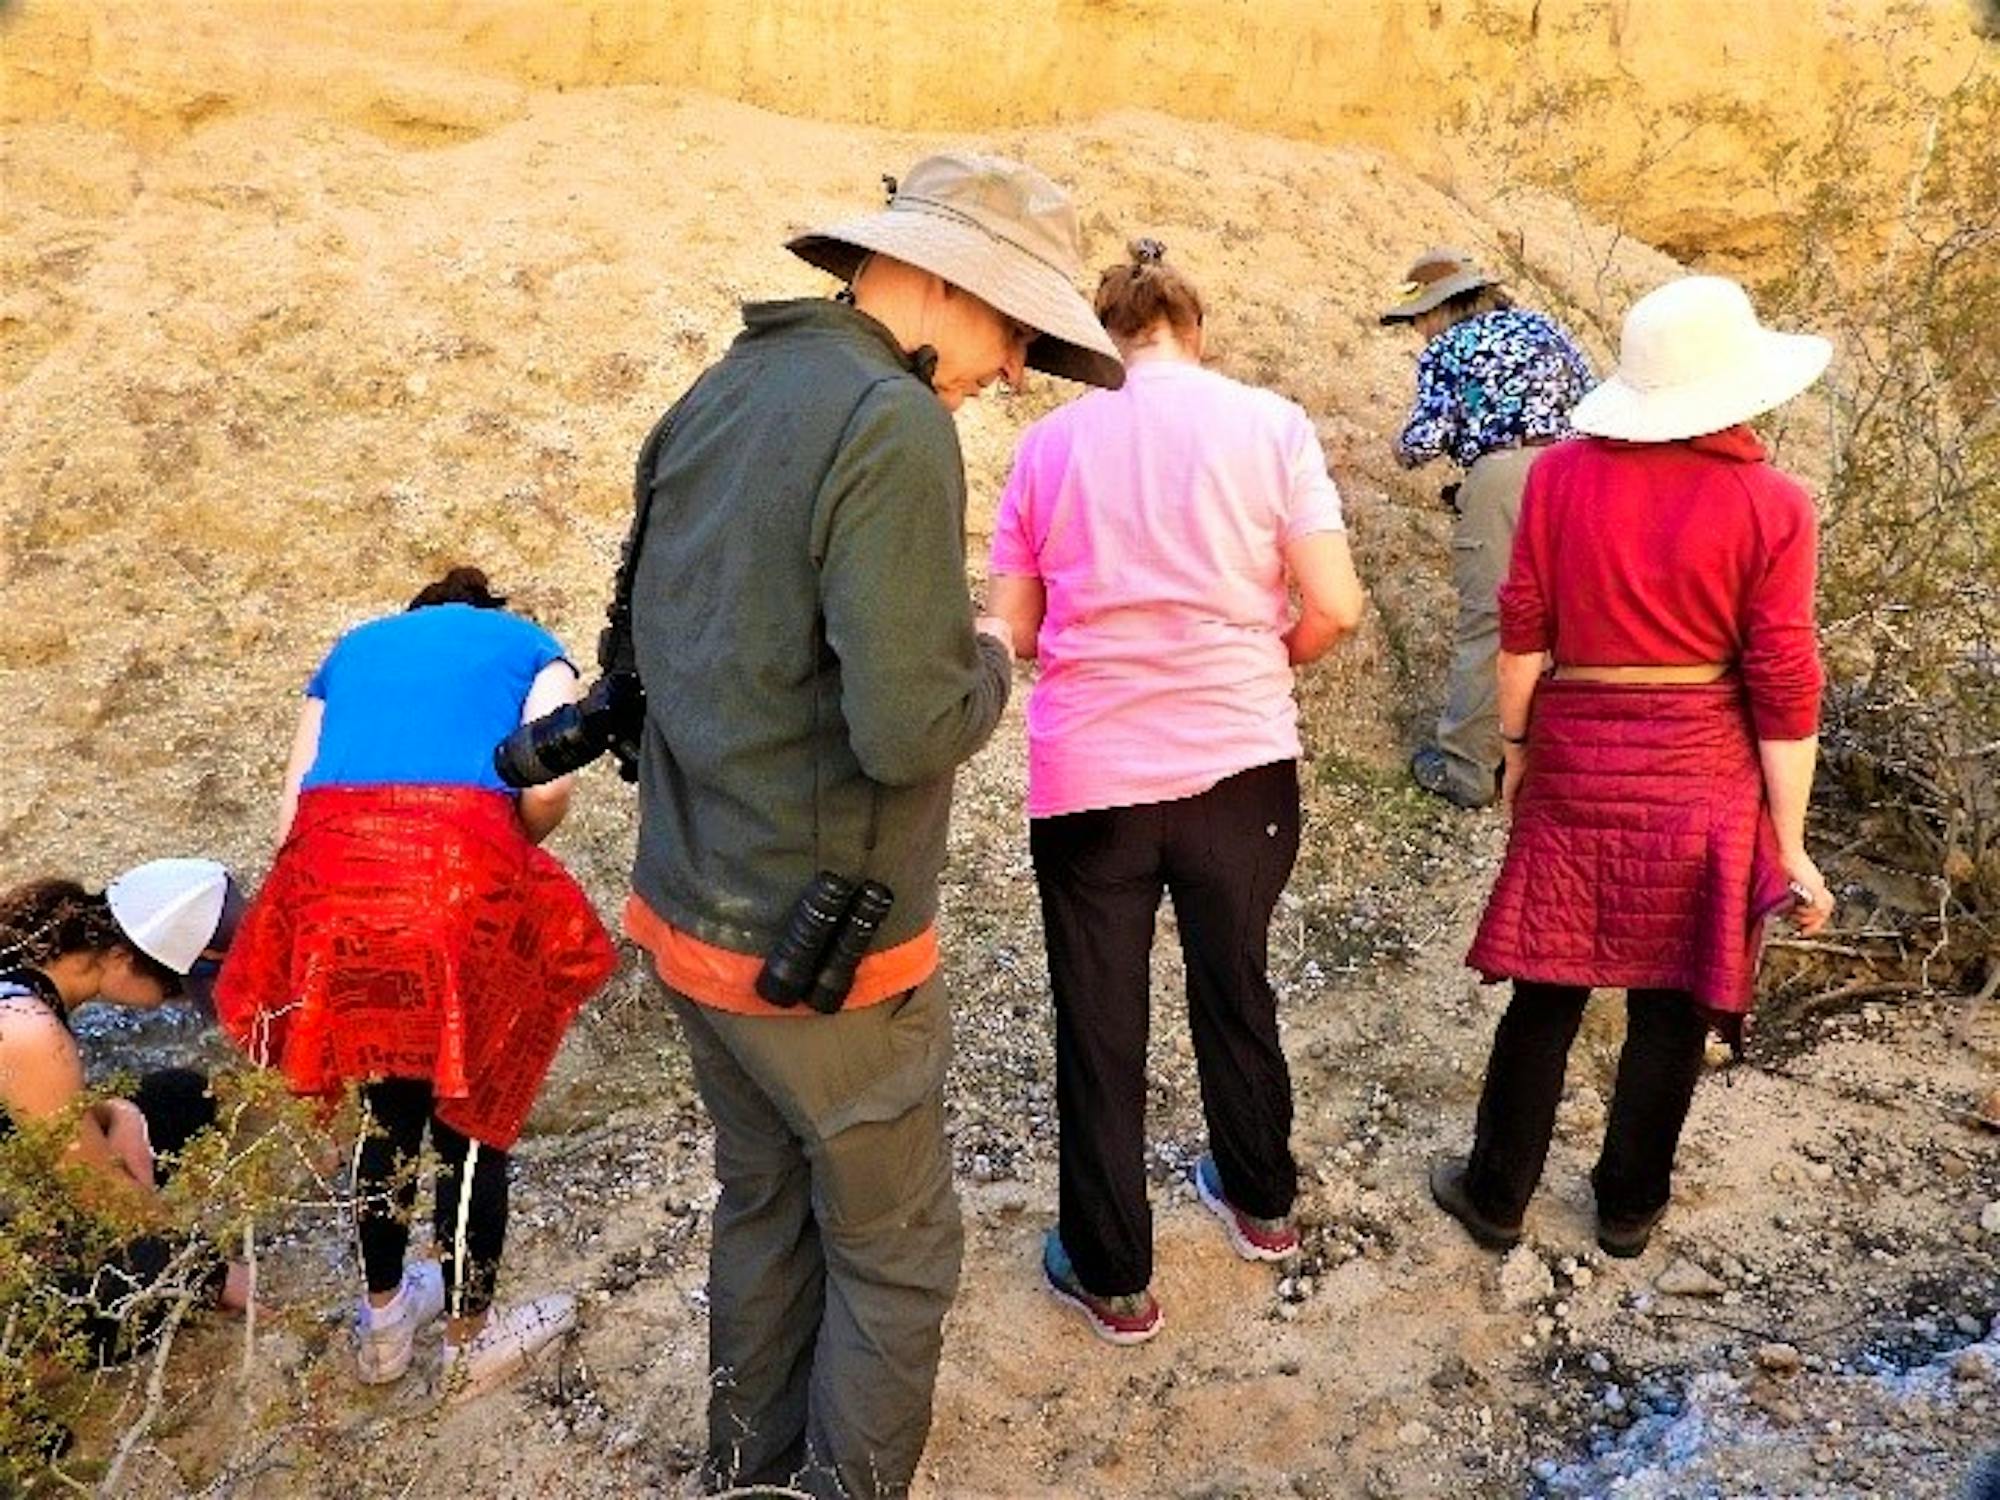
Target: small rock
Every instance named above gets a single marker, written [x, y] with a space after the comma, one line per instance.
[1972, 1365]
[1524, 1279]
[1779, 1359]
[1683, 1278]
[1413, 1434]
[1598, 1364]
[623, 1441]
[1989, 1217]
[1989, 1109]
[1968, 1325]
[1819, 1171]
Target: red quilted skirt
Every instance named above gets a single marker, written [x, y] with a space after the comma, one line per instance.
[414, 932]
[1642, 853]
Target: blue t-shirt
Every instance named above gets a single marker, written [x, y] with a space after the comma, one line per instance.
[421, 699]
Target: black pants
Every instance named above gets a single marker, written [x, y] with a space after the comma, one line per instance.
[1657, 1070]
[117, 1323]
[395, 1112]
[1224, 855]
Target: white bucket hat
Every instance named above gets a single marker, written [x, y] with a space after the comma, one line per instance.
[171, 909]
[994, 228]
[1692, 359]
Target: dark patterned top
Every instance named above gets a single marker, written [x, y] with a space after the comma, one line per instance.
[1493, 381]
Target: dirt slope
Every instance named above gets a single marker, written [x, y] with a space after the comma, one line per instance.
[264, 370]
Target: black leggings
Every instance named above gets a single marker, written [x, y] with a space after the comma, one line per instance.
[1657, 1071]
[394, 1114]
[177, 1106]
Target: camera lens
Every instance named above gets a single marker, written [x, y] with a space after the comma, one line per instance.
[545, 748]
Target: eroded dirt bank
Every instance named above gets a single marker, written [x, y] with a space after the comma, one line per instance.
[264, 369]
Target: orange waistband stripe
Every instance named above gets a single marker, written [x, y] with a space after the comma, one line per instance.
[727, 980]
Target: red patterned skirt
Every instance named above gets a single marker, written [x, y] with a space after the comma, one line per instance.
[414, 932]
[1642, 853]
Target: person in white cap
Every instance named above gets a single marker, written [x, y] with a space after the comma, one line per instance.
[1659, 698]
[152, 935]
[814, 674]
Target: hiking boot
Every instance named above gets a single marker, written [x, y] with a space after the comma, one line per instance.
[1131, 1318]
[385, 1336]
[512, 1336]
[1448, 1192]
[1252, 1238]
[1431, 769]
[1627, 1238]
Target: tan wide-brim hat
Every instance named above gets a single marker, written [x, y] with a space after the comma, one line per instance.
[994, 228]
[1435, 277]
[1693, 359]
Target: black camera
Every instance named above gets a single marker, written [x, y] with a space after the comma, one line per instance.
[607, 718]
[824, 940]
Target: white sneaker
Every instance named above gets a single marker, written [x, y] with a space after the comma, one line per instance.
[512, 1336]
[385, 1336]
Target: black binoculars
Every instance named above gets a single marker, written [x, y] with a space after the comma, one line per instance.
[824, 939]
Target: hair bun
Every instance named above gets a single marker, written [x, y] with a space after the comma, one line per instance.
[1147, 252]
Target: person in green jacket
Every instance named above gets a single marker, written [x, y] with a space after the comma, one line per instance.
[814, 675]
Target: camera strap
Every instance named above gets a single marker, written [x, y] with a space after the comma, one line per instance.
[615, 652]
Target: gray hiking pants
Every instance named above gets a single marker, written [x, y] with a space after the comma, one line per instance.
[1482, 539]
[836, 1242]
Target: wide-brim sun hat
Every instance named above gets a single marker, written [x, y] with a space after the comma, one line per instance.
[1693, 359]
[997, 229]
[171, 909]
[1435, 277]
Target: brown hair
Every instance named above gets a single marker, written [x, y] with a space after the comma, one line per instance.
[1144, 291]
[1471, 303]
[460, 586]
[42, 920]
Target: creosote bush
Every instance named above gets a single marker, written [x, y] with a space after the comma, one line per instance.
[71, 1332]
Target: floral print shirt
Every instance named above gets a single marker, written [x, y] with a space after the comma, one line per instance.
[1493, 381]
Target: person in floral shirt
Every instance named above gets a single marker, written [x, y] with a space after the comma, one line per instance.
[1495, 382]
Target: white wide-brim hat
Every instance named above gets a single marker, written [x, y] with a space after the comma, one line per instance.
[994, 228]
[1693, 359]
[171, 908]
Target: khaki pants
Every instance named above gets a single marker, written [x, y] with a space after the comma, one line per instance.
[1482, 539]
[836, 1242]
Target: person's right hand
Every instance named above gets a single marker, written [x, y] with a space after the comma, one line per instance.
[1811, 913]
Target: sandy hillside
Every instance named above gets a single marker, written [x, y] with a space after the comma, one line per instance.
[267, 368]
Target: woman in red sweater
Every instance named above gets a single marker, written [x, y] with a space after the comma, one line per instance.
[1659, 699]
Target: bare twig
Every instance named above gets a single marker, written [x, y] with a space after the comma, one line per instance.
[156, 1385]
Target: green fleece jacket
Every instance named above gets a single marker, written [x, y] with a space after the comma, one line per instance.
[804, 632]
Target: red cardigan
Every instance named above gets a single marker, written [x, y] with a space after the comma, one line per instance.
[1668, 554]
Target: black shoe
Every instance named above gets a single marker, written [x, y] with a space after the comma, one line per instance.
[1430, 768]
[1448, 1192]
[1626, 1238]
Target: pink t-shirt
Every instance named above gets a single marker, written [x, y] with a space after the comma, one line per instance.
[1156, 518]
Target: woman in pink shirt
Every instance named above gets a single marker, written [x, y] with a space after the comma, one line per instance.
[1659, 690]
[1142, 552]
